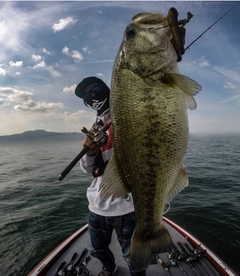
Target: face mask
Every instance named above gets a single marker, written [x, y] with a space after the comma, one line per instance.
[98, 104]
[97, 98]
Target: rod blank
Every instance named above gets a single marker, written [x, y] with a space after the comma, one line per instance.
[73, 163]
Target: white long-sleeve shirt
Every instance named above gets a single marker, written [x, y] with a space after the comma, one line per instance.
[97, 204]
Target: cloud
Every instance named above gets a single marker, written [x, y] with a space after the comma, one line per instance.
[25, 103]
[79, 115]
[52, 71]
[39, 107]
[2, 72]
[6, 90]
[74, 54]
[229, 86]
[98, 61]
[230, 99]
[43, 65]
[65, 50]
[40, 65]
[85, 50]
[36, 58]
[15, 64]
[10, 30]
[2, 102]
[20, 96]
[63, 23]
[202, 62]
[2, 23]
[15, 95]
[45, 51]
[233, 75]
[70, 89]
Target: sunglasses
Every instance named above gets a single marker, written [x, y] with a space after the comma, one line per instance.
[94, 90]
[87, 97]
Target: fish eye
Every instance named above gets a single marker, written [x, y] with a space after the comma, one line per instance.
[130, 32]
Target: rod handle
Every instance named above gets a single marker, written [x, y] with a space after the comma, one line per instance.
[73, 163]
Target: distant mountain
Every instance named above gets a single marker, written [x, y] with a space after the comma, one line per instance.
[42, 135]
[45, 136]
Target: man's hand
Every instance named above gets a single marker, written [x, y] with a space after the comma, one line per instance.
[88, 141]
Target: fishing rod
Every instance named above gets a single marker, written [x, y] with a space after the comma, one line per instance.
[70, 266]
[172, 256]
[205, 30]
[200, 254]
[191, 259]
[196, 258]
[182, 256]
[78, 268]
[100, 138]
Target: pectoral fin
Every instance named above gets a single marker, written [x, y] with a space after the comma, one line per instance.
[187, 85]
[180, 183]
[112, 184]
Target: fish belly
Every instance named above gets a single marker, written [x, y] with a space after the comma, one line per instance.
[150, 139]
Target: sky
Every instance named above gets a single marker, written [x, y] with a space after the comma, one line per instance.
[48, 47]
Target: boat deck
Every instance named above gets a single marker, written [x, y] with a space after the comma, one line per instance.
[201, 266]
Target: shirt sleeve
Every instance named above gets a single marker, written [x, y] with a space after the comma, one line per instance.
[87, 163]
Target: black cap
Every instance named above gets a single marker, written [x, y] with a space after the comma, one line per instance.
[79, 91]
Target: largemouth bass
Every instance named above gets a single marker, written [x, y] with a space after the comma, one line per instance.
[148, 103]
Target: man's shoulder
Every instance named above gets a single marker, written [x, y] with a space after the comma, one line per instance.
[105, 116]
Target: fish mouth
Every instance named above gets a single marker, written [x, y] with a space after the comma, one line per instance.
[153, 25]
[156, 21]
[150, 21]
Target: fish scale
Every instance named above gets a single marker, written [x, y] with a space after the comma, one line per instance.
[146, 137]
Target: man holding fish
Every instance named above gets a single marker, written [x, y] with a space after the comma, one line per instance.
[148, 106]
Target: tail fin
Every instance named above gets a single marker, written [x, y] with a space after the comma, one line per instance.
[142, 251]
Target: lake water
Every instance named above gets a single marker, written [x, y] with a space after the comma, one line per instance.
[38, 212]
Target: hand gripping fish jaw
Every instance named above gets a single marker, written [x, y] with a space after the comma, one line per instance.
[183, 22]
[100, 138]
[178, 31]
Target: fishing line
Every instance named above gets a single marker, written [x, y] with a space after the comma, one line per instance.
[207, 30]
